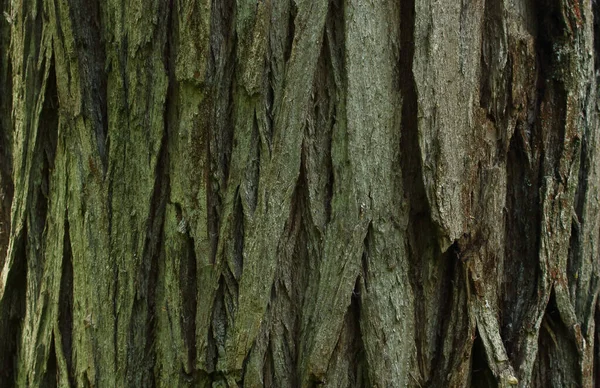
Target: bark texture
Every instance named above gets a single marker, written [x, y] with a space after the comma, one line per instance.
[294, 193]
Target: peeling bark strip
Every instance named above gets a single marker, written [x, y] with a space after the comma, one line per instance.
[299, 193]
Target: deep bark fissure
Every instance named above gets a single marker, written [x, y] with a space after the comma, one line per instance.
[89, 42]
[223, 44]
[13, 311]
[65, 304]
[522, 243]
[44, 163]
[454, 284]
[555, 347]
[238, 238]
[189, 290]
[296, 290]
[49, 379]
[253, 170]
[324, 115]
[148, 276]
[482, 375]
[291, 31]
[219, 328]
[493, 94]
[359, 364]
[365, 257]
[420, 249]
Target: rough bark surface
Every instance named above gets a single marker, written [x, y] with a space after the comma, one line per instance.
[294, 193]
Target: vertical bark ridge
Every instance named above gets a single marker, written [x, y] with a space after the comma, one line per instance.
[137, 89]
[6, 133]
[583, 266]
[235, 198]
[92, 332]
[278, 175]
[35, 322]
[522, 304]
[30, 58]
[359, 201]
[447, 43]
[561, 133]
[430, 270]
[288, 290]
[176, 303]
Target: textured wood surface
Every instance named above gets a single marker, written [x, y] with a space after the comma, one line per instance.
[293, 193]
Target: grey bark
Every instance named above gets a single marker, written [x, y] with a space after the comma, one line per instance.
[299, 193]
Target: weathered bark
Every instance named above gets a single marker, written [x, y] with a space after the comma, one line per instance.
[294, 193]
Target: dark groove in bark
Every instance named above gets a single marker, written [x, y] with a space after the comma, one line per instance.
[44, 163]
[584, 171]
[574, 259]
[220, 73]
[492, 24]
[253, 169]
[238, 238]
[358, 367]
[453, 281]
[365, 256]
[219, 327]
[269, 102]
[12, 307]
[87, 30]
[50, 379]
[481, 374]
[316, 146]
[269, 368]
[300, 264]
[410, 154]
[148, 276]
[335, 32]
[65, 302]
[291, 30]
[211, 347]
[550, 40]
[221, 27]
[189, 290]
[169, 60]
[522, 228]
[555, 347]
[213, 206]
[221, 68]
[420, 225]
[32, 37]
[231, 295]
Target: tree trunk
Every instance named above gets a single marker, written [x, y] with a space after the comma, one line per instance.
[288, 193]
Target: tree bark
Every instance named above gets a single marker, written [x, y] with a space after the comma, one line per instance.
[298, 193]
